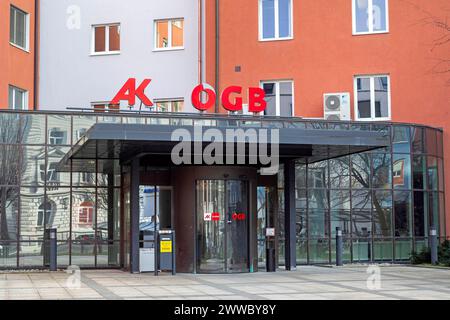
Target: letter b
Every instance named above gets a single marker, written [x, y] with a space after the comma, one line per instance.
[256, 102]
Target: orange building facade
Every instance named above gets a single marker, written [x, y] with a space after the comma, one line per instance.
[18, 53]
[324, 55]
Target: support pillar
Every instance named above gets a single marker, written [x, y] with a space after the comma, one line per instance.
[290, 215]
[134, 216]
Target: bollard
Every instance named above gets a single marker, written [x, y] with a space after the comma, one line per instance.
[433, 246]
[53, 250]
[339, 247]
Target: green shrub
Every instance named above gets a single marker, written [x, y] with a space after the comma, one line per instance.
[424, 256]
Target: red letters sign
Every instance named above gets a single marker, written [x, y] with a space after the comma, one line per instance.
[238, 216]
[215, 216]
[256, 102]
[129, 92]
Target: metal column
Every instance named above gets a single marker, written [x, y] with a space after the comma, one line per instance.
[290, 215]
[134, 217]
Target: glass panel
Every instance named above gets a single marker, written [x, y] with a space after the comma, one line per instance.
[430, 141]
[284, 12]
[34, 215]
[442, 217]
[340, 173]
[301, 237]
[83, 252]
[177, 33]
[31, 254]
[9, 207]
[319, 251]
[56, 178]
[382, 213]
[360, 170]
[318, 175]
[237, 220]
[403, 249]
[420, 214]
[381, 97]
[300, 176]
[401, 171]
[364, 108]
[346, 253]
[108, 225]
[108, 254]
[318, 198]
[382, 171]
[100, 39]
[10, 168]
[433, 210]
[440, 147]
[63, 254]
[20, 29]
[83, 215]
[441, 176]
[8, 255]
[379, 15]
[401, 140]
[361, 15]
[286, 99]
[34, 129]
[33, 169]
[210, 237]
[341, 219]
[114, 38]
[419, 172]
[162, 34]
[11, 130]
[81, 124]
[268, 19]
[403, 213]
[12, 24]
[318, 223]
[58, 211]
[362, 249]
[432, 171]
[383, 250]
[19, 97]
[417, 139]
[59, 130]
[271, 99]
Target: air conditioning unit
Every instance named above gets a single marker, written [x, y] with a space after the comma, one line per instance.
[336, 106]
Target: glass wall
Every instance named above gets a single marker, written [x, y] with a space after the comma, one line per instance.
[384, 201]
[83, 206]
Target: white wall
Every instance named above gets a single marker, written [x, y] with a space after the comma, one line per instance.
[71, 77]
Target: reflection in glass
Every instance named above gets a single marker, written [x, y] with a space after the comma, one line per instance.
[360, 170]
[381, 97]
[382, 213]
[401, 171]
[420, 216]
[340, 173]
[419, 172]
[361, 15]
[381, 171]
[401, 140]
[403, 213]
[9, 207]
[318, 175]
[431, 141]
[284, 12]
[58, 129]
[364, 104]
[417, 140]
[268, 19]
[432, 173]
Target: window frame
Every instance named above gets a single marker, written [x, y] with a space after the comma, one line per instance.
[26, 31]
[107, 51]
[278, 96]
[24, 99]
[372, 97]
[169, 35]
[370, 18]
[276, 23]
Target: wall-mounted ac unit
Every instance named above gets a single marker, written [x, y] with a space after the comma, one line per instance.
[336, 106]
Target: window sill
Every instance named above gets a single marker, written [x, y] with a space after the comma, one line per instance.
[112, 53]
[275, 39]
[373, 119]
[168, 49]
[19, 47]
[369, 33]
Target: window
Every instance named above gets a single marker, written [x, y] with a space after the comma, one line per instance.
[18, 98]
[373, 98]
[275, 19]
[370, 16]
[168, 106]
[86, 213]
[18, 28]
[46, 213]
[279, 98]
[50, 171]
[106, 39]
[169, 34]
[57, 136]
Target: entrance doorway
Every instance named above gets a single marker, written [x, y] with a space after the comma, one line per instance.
[222, 226]
[266, 208]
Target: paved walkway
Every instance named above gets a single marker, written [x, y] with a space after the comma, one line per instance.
[397, 282]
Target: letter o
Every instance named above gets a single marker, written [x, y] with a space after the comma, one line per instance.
[196, 97]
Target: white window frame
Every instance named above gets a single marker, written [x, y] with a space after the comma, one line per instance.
[25, 97]
[169, 34]
[278, 97]
[277, 23]
[372, 97]
[27, 30]
[106, 52]
[370, 18]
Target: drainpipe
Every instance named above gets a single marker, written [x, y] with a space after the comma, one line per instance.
[216, 109]
[36, 55]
